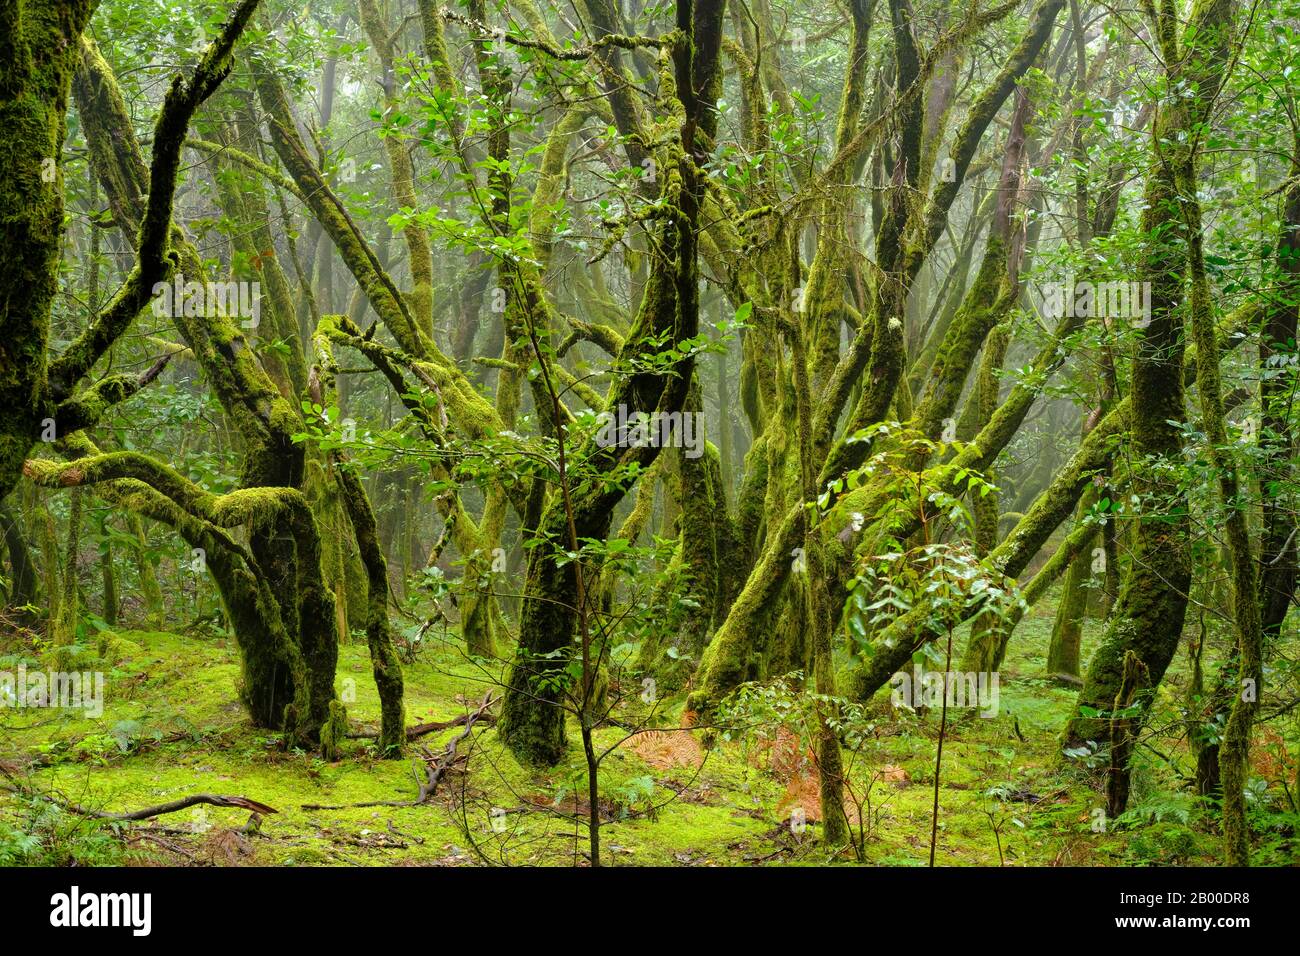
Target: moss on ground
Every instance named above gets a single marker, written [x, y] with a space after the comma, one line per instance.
[172, 726]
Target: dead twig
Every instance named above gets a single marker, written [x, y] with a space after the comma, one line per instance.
[419, 730]
[185, 803]
[435, 766]
[173, 806]
[216, 800]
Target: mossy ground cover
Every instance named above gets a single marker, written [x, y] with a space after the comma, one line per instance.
[171, 727]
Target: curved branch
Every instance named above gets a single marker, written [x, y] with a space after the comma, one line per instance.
[238, 156]
[225, 511]
[155, 261]
[89, 405]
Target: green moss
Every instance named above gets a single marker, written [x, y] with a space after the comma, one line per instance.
[1163, 844]
[40, 56]
[334, 731]
[168, 701]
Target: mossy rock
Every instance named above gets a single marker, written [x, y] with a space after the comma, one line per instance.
[72, 657]
[113, 648]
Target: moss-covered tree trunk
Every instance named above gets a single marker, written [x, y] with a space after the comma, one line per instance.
[532, 715]
[38, 56]
[385, 666]
[151, 595]
[1067, 627]
[1278, 549]
[282, 612]
[870, 371]
[64, 627]
[23, 592]
[988, 635]
[1146, 624]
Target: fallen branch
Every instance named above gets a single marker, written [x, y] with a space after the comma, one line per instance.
[420, 730]
[184, 803]
[440, 766]
[216, 800]
[435, 766]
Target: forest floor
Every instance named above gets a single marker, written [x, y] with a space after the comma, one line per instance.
[171, 727]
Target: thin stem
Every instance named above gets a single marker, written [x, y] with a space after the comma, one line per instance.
[938, 757]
